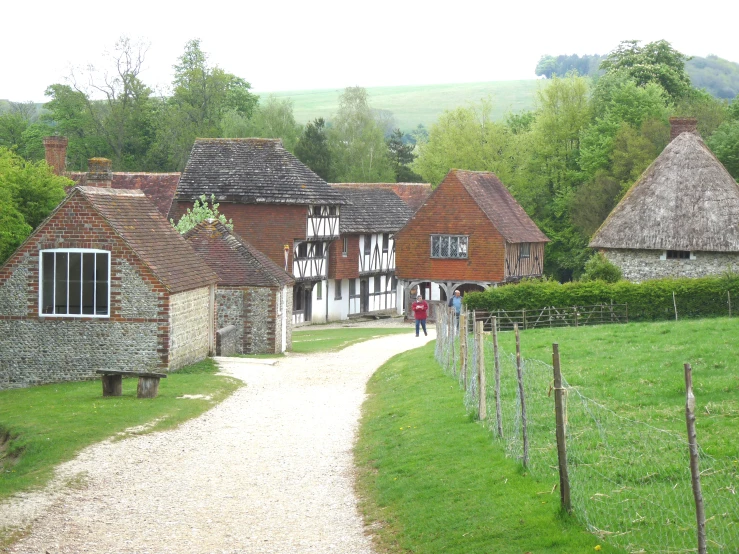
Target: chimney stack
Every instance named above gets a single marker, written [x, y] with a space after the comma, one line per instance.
[56, 153]
[683, 125]
[99, 173]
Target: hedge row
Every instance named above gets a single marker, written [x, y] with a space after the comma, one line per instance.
[648, 301]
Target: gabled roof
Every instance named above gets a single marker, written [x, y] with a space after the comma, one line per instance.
[251, 171]
[685, 200]
[371, 210]
[413, 194]
[493, 198]
[236, 262]
[158, 187]
[162, 249]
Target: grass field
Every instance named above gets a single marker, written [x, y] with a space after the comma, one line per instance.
[431, 480]
[412, 105]
[627, 444]
[322, 340]
[43, 426]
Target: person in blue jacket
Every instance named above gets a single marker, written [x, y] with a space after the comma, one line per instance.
[456, 302]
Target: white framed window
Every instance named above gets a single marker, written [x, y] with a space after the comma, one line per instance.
[74, 282]
[337, 289]
[449, 246]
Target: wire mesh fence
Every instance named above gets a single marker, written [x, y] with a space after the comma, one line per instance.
[630, 482]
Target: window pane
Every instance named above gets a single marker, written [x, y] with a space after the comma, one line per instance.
[60, 288]
[453, 246]
[75, 282]
[436, 246]
[88, 284]
[444, 246]
[47, 300]
[367, 243]
[378, 286]
[352, 287]
[462, 247]
[101, 285]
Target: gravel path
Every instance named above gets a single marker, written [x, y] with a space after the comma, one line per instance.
[267, 470]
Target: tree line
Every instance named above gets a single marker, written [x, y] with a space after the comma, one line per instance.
[570, 160]
[113, 113]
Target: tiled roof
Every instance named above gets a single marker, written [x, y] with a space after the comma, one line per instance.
[158, 187]
[136, 220]
[236, 262]
[251, 171]
[413, 194]
[504, 212]
[372, 210]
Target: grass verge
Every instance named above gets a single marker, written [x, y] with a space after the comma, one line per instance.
[431, 480]
[46, 425]
[323, 340]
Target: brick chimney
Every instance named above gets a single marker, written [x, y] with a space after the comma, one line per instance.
[56, 153]
[99, 173]
[683, 125]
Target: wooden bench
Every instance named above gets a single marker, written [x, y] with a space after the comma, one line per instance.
[113, 382]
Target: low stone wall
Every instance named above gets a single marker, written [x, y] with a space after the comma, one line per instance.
[189, 312]
[228, 341]
[643, 265]
[34, 352]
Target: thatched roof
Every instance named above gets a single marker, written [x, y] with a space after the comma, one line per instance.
[686, 200]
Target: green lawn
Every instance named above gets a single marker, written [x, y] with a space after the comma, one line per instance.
[43, 426]
[322, 340]
[412, 105]
[431, 480]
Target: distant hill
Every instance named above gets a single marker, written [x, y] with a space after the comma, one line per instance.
[718, 76]
[412, 105]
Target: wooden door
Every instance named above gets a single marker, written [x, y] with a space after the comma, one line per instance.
[363, 295]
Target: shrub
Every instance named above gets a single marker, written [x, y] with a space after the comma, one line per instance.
[599, 268]
[648, 301]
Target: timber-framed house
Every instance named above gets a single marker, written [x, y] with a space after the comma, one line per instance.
[470, 233]
[362, 263]
[276, 203]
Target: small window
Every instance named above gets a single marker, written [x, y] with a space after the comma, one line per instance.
[352, 288]
[333, 210]
[525, 250]
[385, 241]
[303, 250]
[345, 247]
[337, 289]
[448, 246]
[319, 290]
[367, 244]
[378, 286]
[678, 254]
[394, 283]
[75, 283]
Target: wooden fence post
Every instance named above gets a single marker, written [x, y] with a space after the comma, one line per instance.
[496, 358]
[674, 303]
[700, 515]
[519, 371]
[463, 348]
[482, 407]
[559, 408]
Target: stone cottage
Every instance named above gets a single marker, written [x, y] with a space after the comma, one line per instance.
[104, 283]
[680, 219]
[254, 294]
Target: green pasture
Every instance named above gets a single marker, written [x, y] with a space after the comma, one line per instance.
[423, 104]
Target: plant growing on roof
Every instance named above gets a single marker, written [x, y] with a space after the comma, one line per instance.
[201, 211]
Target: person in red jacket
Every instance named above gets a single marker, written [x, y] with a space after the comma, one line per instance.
[420, 309]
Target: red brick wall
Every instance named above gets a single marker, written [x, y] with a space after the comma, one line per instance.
[266, 226]
[344, 267]
[78, 225]
[450, 211]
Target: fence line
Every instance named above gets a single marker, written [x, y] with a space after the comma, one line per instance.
[630, 482]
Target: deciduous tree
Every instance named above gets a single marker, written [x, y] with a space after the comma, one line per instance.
[313, 150]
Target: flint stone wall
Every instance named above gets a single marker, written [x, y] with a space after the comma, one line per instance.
[188, 316]
[643, 265]
[230, 312]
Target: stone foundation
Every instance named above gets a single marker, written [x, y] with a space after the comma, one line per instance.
[643, 265]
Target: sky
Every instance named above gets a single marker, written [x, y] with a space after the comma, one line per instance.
[302, 45]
